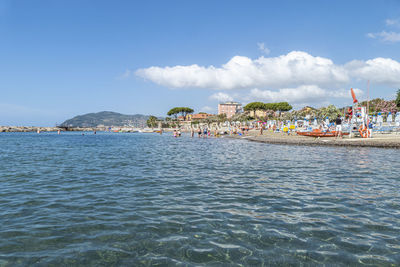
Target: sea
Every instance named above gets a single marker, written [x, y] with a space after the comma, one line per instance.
[145, 199]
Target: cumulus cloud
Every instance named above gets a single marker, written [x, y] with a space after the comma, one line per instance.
[263, 48]
[294, 95]
[294, 69]
[222, 97]
[296, 77]
[287, 71]
[379, 70]
[301, 94]
[388, 37]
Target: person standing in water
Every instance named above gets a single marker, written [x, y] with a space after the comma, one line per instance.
[338, 122]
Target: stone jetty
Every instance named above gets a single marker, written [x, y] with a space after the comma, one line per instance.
[44, 129]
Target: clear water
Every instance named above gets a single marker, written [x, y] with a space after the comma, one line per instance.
[146, 199]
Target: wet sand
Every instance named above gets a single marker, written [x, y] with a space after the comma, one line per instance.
[378, 140]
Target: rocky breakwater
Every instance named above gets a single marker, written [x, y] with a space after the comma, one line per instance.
[11, 129]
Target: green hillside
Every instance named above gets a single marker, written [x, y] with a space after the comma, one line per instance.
[106, 118]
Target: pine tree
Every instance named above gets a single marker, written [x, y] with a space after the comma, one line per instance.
[398, 98]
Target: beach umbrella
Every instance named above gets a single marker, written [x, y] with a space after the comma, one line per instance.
[353, 95]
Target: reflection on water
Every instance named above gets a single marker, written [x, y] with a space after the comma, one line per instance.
[146, 199]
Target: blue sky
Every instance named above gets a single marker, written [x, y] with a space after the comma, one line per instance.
[59, 59]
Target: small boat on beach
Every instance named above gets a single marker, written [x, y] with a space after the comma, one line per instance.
[146, 130]
[319, 133]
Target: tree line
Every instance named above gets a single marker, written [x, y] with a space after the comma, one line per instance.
[375, 105]
[174, 112]
[255, 106]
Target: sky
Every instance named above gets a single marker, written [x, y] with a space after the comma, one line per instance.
[59, 59]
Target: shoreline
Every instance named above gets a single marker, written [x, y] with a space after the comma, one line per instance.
[268, 137]
[378, 141]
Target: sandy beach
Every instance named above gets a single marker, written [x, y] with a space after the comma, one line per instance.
[378, 140]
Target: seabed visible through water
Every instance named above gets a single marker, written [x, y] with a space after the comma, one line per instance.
[146, 199]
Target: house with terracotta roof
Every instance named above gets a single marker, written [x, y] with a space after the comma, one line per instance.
[194, 117]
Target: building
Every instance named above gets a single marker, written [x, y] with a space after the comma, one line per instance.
[200, 116]
[258, 113]
[193, 117]
[229, 108]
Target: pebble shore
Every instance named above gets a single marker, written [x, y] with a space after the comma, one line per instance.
[379, 140]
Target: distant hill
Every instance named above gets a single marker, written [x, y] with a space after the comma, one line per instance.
[106, 118]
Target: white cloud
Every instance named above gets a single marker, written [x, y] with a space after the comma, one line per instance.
[207, 109]
[296, 77]
[302, 95]
[393, 22]
[222, 97]
[294, 69]
[262, 48]
[388, 37]
[378, 70]
[287, 71]
[293, 95]
[125, 75]
[299, 95]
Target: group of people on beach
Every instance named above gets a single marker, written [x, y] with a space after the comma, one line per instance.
[205, 132]
[201, 133]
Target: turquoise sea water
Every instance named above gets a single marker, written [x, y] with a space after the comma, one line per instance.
[146, 199]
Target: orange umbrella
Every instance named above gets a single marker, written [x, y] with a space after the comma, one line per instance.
[353, 95]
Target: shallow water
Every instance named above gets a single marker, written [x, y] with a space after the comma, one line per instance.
[146, 199]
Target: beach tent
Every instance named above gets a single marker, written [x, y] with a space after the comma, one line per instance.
[397, 119]
[379, 119]
[389, 118]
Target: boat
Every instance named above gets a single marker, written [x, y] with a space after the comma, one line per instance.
[319, 133]
[146, 130]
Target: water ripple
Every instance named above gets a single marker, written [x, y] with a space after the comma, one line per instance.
[146, 199]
